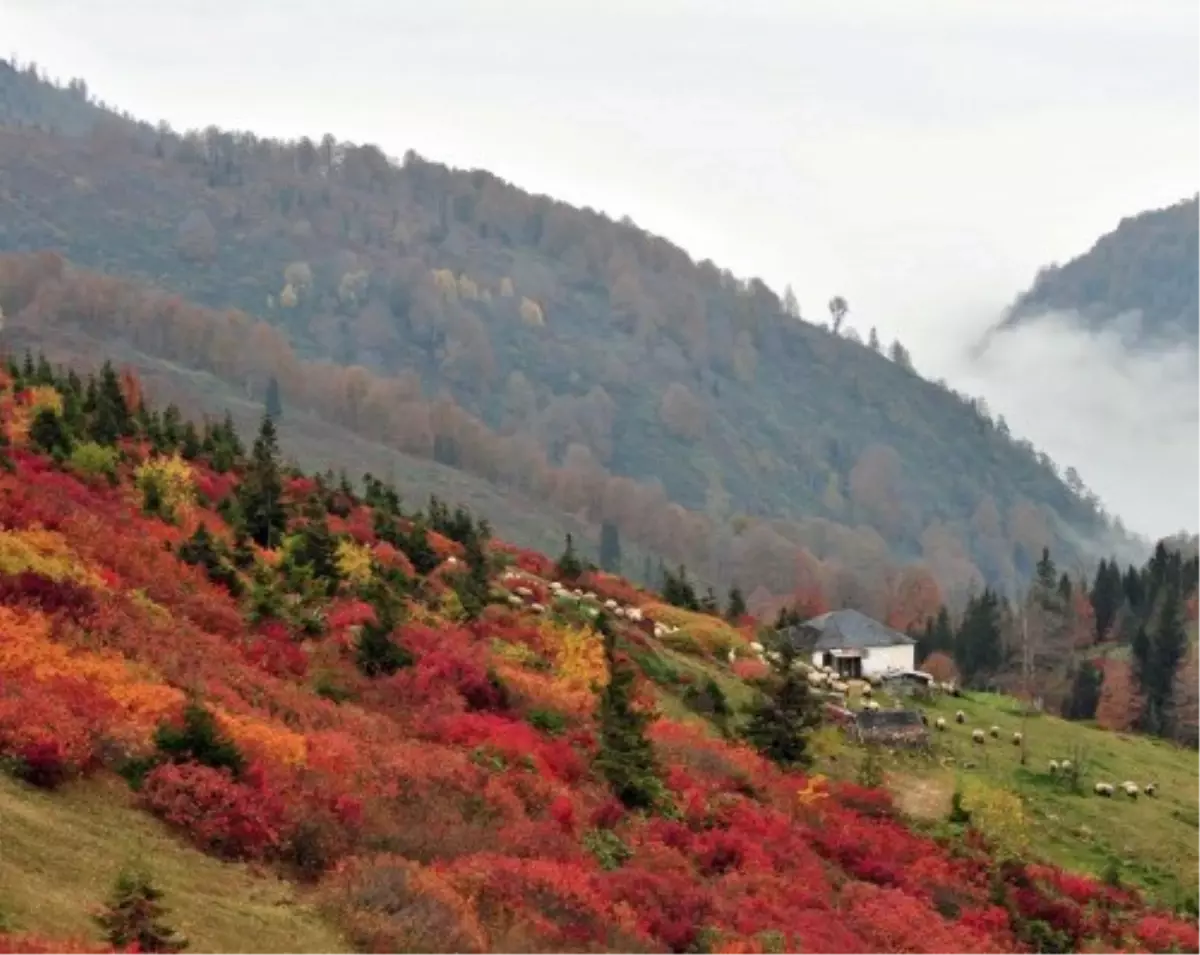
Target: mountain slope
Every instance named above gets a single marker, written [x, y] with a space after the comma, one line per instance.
[1147, 264]
[397, 710]
[590, 345]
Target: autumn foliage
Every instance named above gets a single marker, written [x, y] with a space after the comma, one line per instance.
[455, 803]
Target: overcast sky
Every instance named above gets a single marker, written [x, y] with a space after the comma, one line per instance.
[921, 158]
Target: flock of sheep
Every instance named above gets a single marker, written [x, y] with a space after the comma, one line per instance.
[1056, 766]
[819, 678]
[523, 596]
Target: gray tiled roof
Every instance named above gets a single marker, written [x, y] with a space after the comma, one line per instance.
[845, 630]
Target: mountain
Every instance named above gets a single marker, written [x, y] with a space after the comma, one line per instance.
[548, 349]
[387, 731]
[1141, 279]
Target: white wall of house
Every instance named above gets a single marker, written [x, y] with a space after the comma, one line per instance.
[882, 659]
[879, 659]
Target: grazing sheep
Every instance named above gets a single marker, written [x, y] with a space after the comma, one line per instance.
[940, 723]
[1017, 737]
[977, 736]
[523, 592]
[537, 608]
[514, 600]
[610, 604]
[960, 717]
[619, 612]
[588, 595]
[873, 705]
[995, 732]
[634, 614]
[1065, 766]
[1054, 767]
[660, 631]
[865, 690]
[1104, 789]
[451, 561]
[1151, 789]
[1131, 789]
[756, 647]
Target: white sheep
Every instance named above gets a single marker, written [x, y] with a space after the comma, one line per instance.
[537, 608]
[1065, 766]
[1151, 789]
[634, 614]
[1104, 789]
[451, 561]
[577, 593]
[588, 595]
[995, 732]
[872, 705]
[660, 631]
[756, 647]
[866, 690]
[1017, 737]
[977, 736]
[1131, 789]
[732, 657]
[1054, 767]
[523, 592]
[619, 612]
[960, 717]
[609, 604]
[940, 723]
[514, 600]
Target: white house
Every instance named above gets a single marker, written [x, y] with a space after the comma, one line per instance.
[853, 644]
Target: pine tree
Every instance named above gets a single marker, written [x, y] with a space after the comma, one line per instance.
[626, 755]
[273, 405]
[48, 434]
[1107, 596]
[978, 648]
[378, 654]
[569, 566]
[1085, 692]
[1157, 656]
[610, 547]
[782, 719]
[260, 492]
[472, 587]
[199, 740]
[735, 609]
[132, 919]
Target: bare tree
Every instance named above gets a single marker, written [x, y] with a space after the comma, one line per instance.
[838, 308]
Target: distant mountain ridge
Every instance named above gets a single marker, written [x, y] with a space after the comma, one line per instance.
[580, 359]
[1146, 267]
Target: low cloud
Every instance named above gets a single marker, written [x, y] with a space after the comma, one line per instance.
[1127, 418]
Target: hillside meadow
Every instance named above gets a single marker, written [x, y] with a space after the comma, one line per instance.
[397, 732]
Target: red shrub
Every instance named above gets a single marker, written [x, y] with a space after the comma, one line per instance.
[228, 818]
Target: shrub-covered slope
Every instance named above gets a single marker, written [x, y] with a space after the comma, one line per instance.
[430, 731]
[573, 341]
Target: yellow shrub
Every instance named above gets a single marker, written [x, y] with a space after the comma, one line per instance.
[1000, 816]
[43, 552]
[578, 657]
[172, 476]
[43, 397]
[353, 561]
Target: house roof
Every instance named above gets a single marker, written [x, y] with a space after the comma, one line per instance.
[845, 630]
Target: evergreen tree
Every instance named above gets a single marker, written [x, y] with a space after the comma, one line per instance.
[1157, 657]
[1107, 596]
[132, 919]
[735, 609]
[315, 548]
[978, 648]
[199, 740]
[783, 718]
[1085, 692]
[378, 654]
[610, 548]
[626, 756]
[260, 492]
[569, 566]
[417, 548]
[709, 603]
[48, 434]
[110, 418]
[678, 591]
[272, 404]
[472, 587]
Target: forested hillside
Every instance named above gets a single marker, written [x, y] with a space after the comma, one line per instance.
[424, 739]
[1149, 264]
[539, 346]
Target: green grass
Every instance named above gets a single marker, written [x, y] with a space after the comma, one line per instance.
[61, 852]
[1153, 840]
